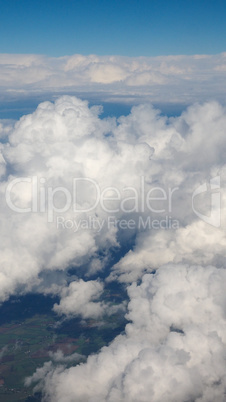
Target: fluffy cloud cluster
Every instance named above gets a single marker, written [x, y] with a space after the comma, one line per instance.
[45, 152]
[78, 299]
[173, 348]
[186, 78]
[118, 164]
[74, 189]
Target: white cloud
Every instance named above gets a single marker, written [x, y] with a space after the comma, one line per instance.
[59, 357]
[177, 331]
[172, 350]
[79, 299]
[185, 78]
[67, 140]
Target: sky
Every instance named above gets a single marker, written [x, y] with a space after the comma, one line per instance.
[119, 27]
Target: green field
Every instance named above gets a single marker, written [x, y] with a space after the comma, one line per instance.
[27, 337]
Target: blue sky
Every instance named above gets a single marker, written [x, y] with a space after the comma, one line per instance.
[122, 27]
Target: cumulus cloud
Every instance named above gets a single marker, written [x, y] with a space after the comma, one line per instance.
[78, 299]
[173, 348]
[123, 168]
[75, 188]
[186, 78]
[188, 152]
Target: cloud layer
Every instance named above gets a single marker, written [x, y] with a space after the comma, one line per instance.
[115, 78]
[144, 167]
[64, 141]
